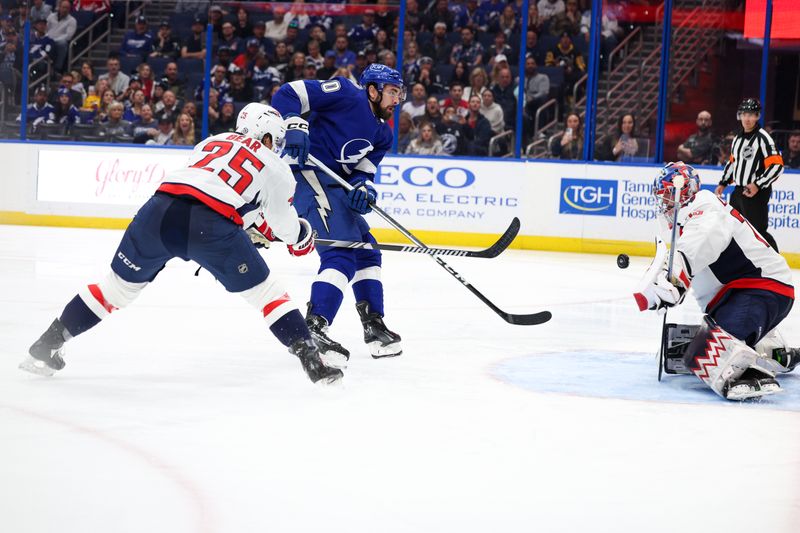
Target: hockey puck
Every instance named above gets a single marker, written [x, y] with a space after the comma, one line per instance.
[623, 261]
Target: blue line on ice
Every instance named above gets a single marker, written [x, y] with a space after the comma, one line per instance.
[624, 376]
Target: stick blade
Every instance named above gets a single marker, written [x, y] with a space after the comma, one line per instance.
[533, 319]
[502, 243]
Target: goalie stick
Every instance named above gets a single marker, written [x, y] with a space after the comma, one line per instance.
[521, 320]
[678, 182]
[493, 251]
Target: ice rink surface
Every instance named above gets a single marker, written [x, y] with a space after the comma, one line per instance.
[181, 413]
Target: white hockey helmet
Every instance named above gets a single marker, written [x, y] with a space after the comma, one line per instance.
[256, 120]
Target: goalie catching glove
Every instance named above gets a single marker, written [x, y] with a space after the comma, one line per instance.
[655, 291]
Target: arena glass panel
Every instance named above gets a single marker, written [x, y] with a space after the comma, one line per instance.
[713, 66]
[628, 84]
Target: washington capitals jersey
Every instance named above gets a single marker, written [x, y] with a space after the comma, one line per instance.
[240, 179]
[345, 134]
[722, 252]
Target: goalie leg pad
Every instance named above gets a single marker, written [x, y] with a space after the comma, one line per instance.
[718, 359]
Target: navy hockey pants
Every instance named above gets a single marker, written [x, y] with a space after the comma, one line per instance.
[749, 314]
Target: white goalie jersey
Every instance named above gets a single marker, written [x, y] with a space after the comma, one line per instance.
[718, 250]
[242, 180]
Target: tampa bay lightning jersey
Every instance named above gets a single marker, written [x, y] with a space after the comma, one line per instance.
[344, 132]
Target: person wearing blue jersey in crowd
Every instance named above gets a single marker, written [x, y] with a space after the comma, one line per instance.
[40, 111]
[349, 134]
[138, 42]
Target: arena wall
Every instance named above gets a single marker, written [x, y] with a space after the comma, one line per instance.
[576, 207]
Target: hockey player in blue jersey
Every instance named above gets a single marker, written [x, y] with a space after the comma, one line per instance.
[344, 126]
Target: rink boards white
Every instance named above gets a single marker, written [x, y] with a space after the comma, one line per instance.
[449, 201]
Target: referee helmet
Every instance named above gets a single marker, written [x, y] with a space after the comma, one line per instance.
[748, 105]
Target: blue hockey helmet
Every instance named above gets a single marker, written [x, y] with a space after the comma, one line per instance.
[381, 75]
[664, 185]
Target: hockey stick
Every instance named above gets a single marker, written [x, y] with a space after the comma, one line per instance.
[677, 182]
[493, 251]
[521, 320]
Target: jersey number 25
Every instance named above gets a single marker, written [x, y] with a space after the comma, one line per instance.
[212, 163]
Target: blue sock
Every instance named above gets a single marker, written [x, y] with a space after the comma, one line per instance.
[77, 317]
[325, 300]
[370, 290]
[290, 328]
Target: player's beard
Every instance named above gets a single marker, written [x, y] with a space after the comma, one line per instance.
[387, 113]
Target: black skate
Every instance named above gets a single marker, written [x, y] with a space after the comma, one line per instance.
[381, 340]
[330, 351]
[788, 358]
[752, 384]
[308, 353]
[46, 353]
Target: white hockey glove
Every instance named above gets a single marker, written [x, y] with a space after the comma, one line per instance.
[659, 295]
[305, 242]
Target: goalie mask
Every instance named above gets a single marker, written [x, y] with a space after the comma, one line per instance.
[664, 186]
[257, 120]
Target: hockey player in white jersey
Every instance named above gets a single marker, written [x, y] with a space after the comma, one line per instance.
[743, 285]
[231, 182]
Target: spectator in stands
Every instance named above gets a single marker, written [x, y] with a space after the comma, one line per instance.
[264, 43]
[565, 55]
[213, 108]
[477, 129]
[384, 17]
[183, 133]
[282, 58]
[137, 42]
[168, 105]
[469, 16]
[40, 111]
[65, 83]
[410, 58]
[114, 125]
[791, 157]
[568, 21]
[264, 77]
[310, 72]
[451, 132]
[701, 148]
[227, 117]
[244, 29]
[164, 44]
[432, 113]
[415, 107]
[216, 17]
[534, 49]
[364, 33]
[296, 69]
[621, 144]
[537, 88]
[314, 54]
[492, 111]
[344, 56]
[276, 28]
[478, 81]
[548, 9]
[455, 99]
[508, 23]
[610, 34]
[87, 76]
[175, 80]
[117, 81]
[361, 64]
[498, 63]
[40, 10]
[164, 133]
[190, 108]
[439, 14]
[468, 50]
[438, 48]
[61, 27]
[489, 14]
[65, 111]
[241, 88]
[193, 46]
[92, 101]
[98, 7]
[427, 143]
[569, 143]
[145, 73]
[147, 127]
[388, 58]
[246, 60]
[505, 96]
[328, 66]
[134, 85]
[500, 48]
[382, 42]
[292, 40]
[41, 44]
[413, 17]
[229, 39]
[432, 81]
[460, 74]
[406, 132]
[133, 111]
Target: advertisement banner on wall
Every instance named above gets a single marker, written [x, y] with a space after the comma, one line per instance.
[108, 177]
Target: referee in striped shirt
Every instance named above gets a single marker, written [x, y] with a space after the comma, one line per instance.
[753, 167]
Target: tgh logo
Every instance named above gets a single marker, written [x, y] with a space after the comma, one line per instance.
[588, 197]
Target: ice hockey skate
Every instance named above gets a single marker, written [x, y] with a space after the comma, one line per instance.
[317, 371]
[46, 353]
[752, 384]
[381, 340]
[331, 352]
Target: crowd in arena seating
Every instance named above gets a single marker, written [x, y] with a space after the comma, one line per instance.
[463, 53]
